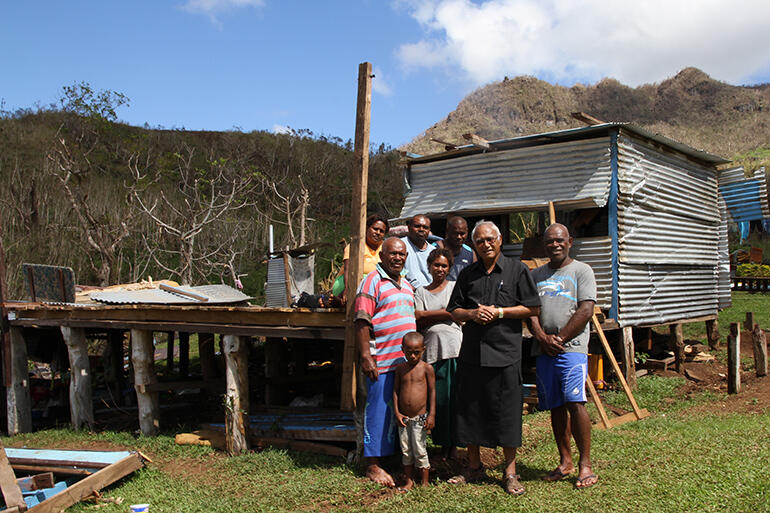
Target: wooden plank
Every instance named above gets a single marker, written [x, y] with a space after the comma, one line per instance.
[477, 141]
[701, 318]
[629, 356]
[56, 470]
[19, 403]
[89, 485]
[677, 341]
[734, 359]
[360, 180]
[143, 359]
[313, 333]
[81, 403]
[615, 367]
[587, 119]
[171, 386]
[287, 277]
[36, 482]
[760, 350]
[598, 402]
[182, 292]
[237, 394]
[628, 417]
[58, 463]
[8, 485]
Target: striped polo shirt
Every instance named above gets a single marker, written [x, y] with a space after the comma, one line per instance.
[389, 307]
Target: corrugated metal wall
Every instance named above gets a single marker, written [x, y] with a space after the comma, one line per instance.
[594, 251]
[668, 236]
[725, 297]
[746, 198]
[576, 172]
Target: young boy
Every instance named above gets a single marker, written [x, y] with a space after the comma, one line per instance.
[414, 404]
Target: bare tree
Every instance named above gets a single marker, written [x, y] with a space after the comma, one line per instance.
[195, 213]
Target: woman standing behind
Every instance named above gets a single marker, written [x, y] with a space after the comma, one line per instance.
[442, 342]
[376, 228]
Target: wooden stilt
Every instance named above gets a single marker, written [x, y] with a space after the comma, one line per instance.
[81, 403]
[184, 354]
[677, 341]
[18, 398]
[760, 350]
[206, 353]
[357, 231]
[712, 333]
[169, 353]
[237, 397]
[143, 358]
[629, 356]
[734, 359]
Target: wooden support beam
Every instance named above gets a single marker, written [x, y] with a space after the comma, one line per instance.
[207, 356]
[18, 399]
[734, 359]
[143, 359]
[8, 484]
[587, 119]
[712, 333]
[551, 212]
[81, 403]
[184, 354]
[677, 342]
[236, 350]
[748, 324]
[360, 179]
[272, 370]
[760, 350]
[477, 141]
[448, 146]
[598, 403]
[615, 367]
[170, 352]
[629, 356]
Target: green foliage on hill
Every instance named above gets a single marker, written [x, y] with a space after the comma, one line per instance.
[690, 107]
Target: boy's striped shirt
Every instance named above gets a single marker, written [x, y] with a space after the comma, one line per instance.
[389, 307]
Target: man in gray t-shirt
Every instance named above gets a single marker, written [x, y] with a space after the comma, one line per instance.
[567, 290]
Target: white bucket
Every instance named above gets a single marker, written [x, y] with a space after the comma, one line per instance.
[139, 508]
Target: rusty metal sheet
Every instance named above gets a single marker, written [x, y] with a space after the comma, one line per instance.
[217, 295]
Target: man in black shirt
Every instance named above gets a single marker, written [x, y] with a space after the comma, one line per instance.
[491, 298]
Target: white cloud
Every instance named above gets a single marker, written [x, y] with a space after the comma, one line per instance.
[281, 129]
[214, 8]
[573, 40]
[380, 84]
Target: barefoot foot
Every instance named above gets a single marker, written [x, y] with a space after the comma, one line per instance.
[379, 476]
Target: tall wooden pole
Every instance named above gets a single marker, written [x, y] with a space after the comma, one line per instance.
[357, 231]
[81, 404]
[734, 359]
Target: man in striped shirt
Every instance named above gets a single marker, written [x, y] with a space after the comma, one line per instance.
[384, 313]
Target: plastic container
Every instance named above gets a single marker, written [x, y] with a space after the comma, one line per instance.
[139, 508]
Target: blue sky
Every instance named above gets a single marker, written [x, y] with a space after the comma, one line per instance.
[267, 64]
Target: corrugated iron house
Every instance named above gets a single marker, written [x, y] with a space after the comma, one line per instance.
[645, 211]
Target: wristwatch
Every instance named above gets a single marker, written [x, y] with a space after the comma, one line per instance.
[500, 312]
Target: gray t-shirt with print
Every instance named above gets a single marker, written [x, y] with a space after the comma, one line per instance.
[560, 292]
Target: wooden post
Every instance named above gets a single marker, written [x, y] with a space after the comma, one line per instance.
[143, 359]
[272, 369]
[236, 350]
[629, 357]
[734, 359]
[18, 398]
[169, 353]
[712, 333]
[760, 350]
[184, 354]
[551, 212]
[677, 341]
[360, 181]
[81, 403]
[748, 324]
[206, 353]
[113, 365]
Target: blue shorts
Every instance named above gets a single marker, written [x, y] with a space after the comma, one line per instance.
[561, 379]
[380, 433]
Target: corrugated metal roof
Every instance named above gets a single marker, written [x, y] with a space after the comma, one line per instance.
[216, 294]
[575, 172]
[746, 198]
[572, 133]
[275, 288]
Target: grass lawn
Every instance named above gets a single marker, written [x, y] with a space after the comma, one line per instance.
[699, 452]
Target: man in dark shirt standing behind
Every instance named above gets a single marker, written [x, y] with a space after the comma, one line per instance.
[491, 297]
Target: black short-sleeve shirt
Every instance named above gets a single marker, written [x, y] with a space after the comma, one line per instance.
[497, 344]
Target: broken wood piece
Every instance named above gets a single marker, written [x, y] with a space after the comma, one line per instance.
[67, 471]
[448, 146]
[660, 362]
[477, 141]
[586, 118]
[694, 376]
[36, 482]
[204, 437]
[182, 292]
[8, 485]
[712, 333]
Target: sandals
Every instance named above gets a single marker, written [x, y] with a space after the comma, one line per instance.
[579, 484]
[556, 475]
[469, 475]
[512, 485]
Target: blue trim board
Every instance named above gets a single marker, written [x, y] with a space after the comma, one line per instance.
[613, 220]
